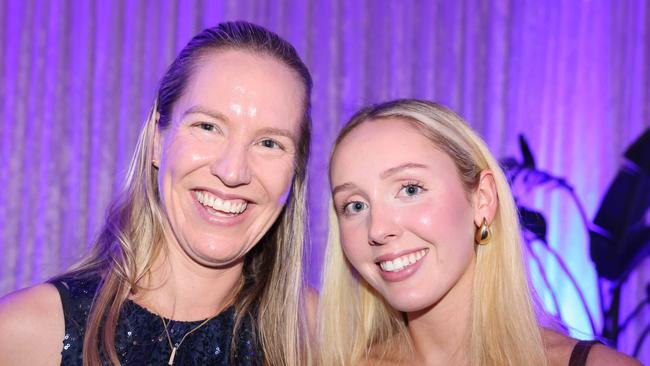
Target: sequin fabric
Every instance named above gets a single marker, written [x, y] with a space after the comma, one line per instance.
[140, 335]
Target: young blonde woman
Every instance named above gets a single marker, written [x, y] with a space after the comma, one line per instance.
[424, 264]
[199, 261]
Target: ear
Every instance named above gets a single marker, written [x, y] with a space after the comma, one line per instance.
[486, 199]
[157, 144]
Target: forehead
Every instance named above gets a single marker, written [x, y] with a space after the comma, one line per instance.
[390, 134]
[376, 145]
[236, 82]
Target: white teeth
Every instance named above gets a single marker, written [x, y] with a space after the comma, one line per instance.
[227, 206]
[402, 262]
[387, 266]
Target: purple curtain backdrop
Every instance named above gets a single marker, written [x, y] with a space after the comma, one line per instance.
[77, 78]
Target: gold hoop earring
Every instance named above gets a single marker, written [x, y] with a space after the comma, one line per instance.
[483, 233]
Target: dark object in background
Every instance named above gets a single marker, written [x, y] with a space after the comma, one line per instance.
[525, 177]
[620, 236]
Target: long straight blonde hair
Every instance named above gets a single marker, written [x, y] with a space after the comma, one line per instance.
[272, 291]
[354, 320]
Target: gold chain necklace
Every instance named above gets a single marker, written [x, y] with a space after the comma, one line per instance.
[174, 347]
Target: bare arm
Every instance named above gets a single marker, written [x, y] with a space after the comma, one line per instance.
[604, 356]
[32, 325]
[559, 348]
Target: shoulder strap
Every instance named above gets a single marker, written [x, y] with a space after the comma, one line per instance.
[77, 296]
[581, 352]
[64, 293]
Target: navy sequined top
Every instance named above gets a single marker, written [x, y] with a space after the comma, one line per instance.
[140, 335]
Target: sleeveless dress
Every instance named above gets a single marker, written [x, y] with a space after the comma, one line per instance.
[140, 335]
[580, 353]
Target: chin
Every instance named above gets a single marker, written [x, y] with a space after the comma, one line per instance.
[408, 307]
[409, 304]
[217, 263]
[215, 259]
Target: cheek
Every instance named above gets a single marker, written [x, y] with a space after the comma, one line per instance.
[354, 255]
[285, 195]
[425, 217]
[183, 154]
[353, 242]
[277, 177]
[439, 223]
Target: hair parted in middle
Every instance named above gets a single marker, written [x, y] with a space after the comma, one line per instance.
[354, 320]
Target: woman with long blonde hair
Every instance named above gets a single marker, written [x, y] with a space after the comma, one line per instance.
[199, 260]
[424, 263]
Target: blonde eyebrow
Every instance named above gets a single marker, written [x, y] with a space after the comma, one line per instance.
[394, 170]
[342, 187]
[386, 173]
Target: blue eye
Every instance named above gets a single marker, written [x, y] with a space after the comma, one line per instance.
[411, 189]
[354, 207]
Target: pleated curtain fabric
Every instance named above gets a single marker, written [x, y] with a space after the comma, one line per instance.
[78, 77]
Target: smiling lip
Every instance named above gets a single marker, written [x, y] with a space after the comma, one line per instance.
[219, 205]
[223, 195]
[399, 266]
[220, 208]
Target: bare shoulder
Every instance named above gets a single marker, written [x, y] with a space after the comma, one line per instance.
[34, 319]
[560, 346]
[603, 355]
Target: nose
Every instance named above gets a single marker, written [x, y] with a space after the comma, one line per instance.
[384, 227]
[232, 166]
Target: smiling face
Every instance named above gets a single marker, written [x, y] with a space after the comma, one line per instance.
[226, 161]
[406, 221]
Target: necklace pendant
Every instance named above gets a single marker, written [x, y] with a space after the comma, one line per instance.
[171, 357]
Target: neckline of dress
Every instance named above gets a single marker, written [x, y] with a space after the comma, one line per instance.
[141, 309]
